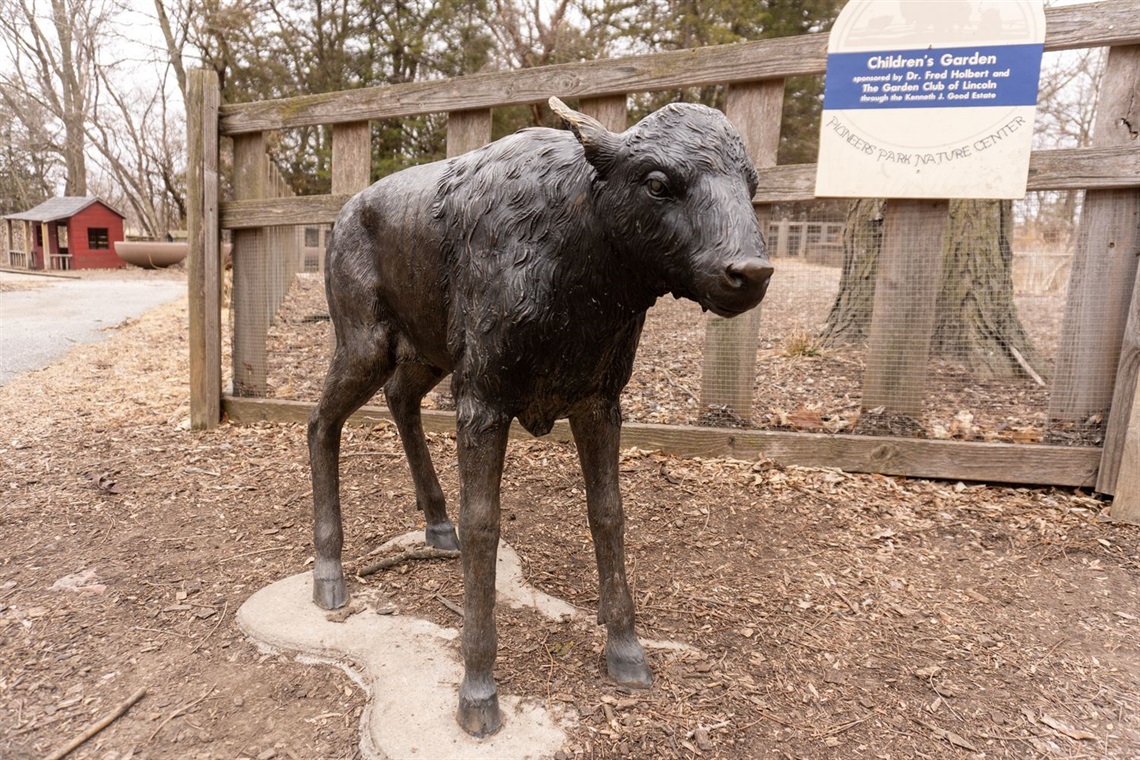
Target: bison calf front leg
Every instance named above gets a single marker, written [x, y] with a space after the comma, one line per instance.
[597, 433]
[482, 444]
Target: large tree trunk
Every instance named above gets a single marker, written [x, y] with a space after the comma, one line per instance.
[976, 321]
[72, 82]
[850, 317]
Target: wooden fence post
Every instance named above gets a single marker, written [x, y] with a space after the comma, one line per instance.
[906, 292]
[1126, 502]
[612, 111]
[1104, 261]
[250, 297]
[351, 170]
[204, 267]
[728, 372]
[351, 163]
[1115, 466]
[467, 130]
[351, 157]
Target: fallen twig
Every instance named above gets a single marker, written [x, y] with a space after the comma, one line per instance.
[408, 554]
[450, 605]
[841, 727]
[389, 454]
[255, 551]
[225, 609]
[843, 598]
[1026, 366]
[180, 711]
[95, 728]
[954, 739]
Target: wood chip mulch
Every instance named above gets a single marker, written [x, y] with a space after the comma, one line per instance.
[823, 615]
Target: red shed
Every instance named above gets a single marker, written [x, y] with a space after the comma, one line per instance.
[64, 233]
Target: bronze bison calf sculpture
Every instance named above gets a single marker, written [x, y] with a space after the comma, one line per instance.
[525, 269]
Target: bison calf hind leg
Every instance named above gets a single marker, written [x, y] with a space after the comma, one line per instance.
[405, 392]
[356, 372]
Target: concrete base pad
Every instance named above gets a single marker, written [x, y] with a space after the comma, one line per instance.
[410, 669]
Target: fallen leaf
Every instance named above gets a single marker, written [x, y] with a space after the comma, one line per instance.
[946, 689]
[930, 671]
[1072, 733]
[805, 419]
[104, 482]
[955, 739]
[1026, 435]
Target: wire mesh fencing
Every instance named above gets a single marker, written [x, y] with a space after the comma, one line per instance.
[995, 310]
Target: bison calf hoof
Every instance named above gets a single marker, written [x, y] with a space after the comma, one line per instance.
[635, 675]
[330, 594]
[479, 716]
[442, 537]
[627, 666]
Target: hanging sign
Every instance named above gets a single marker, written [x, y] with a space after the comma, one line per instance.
[930, 99]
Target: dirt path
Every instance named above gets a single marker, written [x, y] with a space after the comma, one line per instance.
[829, 616]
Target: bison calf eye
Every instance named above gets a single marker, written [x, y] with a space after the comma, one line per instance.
[657, 185]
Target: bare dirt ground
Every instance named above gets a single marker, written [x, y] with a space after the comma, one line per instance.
[830, 615]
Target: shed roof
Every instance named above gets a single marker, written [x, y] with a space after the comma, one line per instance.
[54, 209]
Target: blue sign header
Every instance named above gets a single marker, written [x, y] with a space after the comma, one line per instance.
[989, 75]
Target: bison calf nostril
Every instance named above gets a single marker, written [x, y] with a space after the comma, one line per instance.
[751, 273]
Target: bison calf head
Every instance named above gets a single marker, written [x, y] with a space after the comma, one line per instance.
[676, 191]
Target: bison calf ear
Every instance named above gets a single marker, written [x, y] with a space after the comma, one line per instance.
[600, 144]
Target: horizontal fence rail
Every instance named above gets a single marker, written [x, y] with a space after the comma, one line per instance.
[1061, 169]
[914, 458]
[1114, 22]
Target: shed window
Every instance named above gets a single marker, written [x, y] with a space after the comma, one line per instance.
[97, 238]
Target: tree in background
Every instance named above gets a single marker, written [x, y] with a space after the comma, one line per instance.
[678, 24]
[281, 48]
[62, 87]
[1066, 109]
[976, 322]
[26, 162]
[53, 48]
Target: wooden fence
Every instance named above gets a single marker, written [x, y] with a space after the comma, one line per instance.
[1099, 358]
[269, 258]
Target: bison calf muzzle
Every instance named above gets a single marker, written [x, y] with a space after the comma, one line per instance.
[525, 269]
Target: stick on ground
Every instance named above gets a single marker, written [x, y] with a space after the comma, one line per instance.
[404, 556]
[95, 728]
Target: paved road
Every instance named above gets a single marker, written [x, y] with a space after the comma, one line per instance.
[39, 326]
